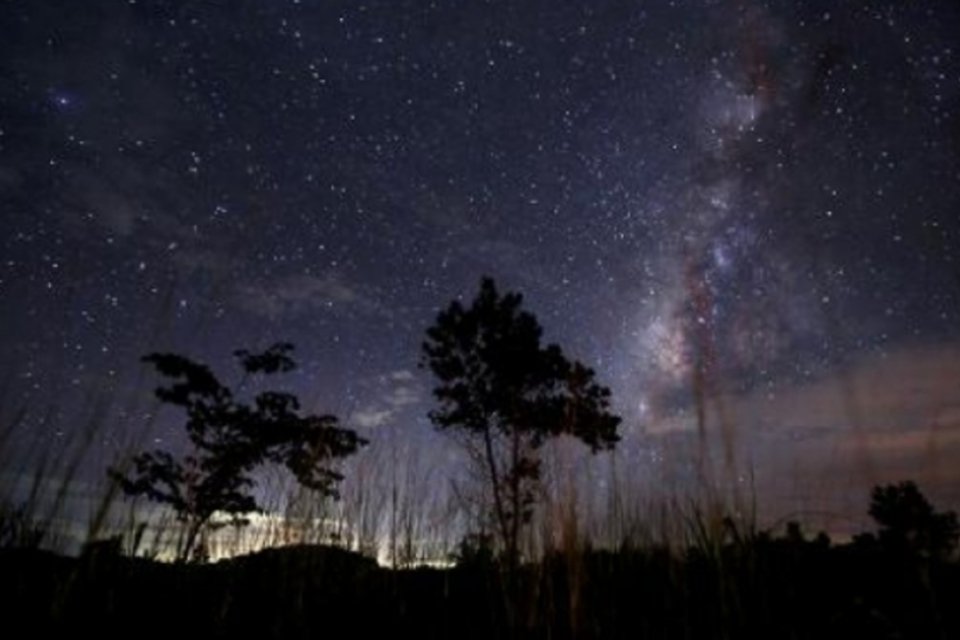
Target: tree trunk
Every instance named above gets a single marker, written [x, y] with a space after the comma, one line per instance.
[498, 505]
[515, 499]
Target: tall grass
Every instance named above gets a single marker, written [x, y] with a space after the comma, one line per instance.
[398, 506]
[395, 505]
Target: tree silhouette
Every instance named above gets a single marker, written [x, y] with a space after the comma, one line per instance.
[508, 394]
[230, 439]
[910, 525]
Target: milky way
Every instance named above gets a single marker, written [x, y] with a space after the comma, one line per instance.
[766, 193]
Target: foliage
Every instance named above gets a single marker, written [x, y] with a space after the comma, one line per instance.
[230, 439]
[909, 524]
[507, 394]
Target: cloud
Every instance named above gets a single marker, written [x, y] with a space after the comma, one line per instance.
[907, 389]
[372, 417]
[402, 396]
[821, 446]
[398, 392]
[298, 293]
[911, 388]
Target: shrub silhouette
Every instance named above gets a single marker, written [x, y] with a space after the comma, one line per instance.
[508, 394]
[230, 439]
[910, 525]
[474, 550]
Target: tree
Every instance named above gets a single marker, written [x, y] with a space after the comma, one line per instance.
[910, 525]
[507, 394]
[230, 440]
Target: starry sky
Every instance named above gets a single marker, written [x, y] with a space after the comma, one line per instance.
[769, 188]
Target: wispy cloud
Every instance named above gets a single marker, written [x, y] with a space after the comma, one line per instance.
[298, 293]
[823, 445]
[398, 391]
[371, 417]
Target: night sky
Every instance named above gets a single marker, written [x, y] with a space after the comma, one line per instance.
[771, 187]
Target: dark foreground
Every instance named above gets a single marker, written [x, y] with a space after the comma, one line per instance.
[764, 588]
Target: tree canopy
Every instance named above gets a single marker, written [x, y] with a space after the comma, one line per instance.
[509, 393]
[909, 524]
[229, 440]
